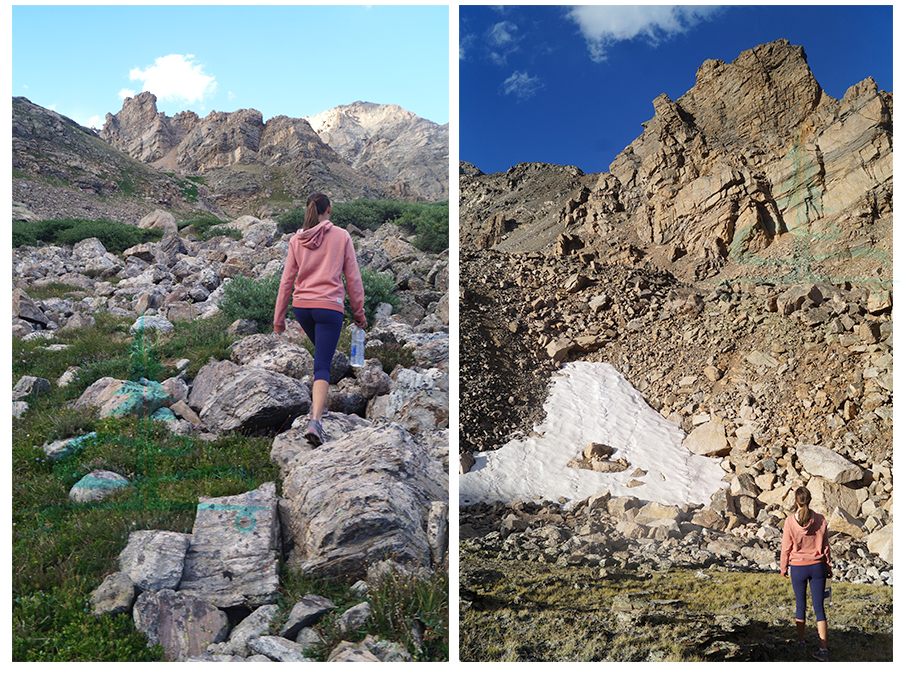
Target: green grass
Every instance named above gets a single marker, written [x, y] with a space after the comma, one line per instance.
[530, 611]
[62, 551]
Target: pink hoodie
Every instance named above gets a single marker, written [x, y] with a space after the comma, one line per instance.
[320, 255]
[803, 545]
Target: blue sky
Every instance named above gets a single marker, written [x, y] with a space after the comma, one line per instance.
[280, 60]
[572, 86]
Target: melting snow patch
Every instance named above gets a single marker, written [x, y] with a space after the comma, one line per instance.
[592, 402]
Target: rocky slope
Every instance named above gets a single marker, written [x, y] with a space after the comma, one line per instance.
[387, 438]
[62, 170]
[734, 265]
[399, 149]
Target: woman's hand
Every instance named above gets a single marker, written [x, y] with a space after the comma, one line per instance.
[362, 324]
[278, 329]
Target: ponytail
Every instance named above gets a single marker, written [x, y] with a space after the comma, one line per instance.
[316, 205]
[803, 497]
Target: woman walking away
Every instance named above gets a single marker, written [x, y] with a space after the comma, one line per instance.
[804, 546]
[318, 254]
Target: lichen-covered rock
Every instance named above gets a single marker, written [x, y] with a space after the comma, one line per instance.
[388, 483]
[154, 559]
[182, 623]
[233, 556]
[97, 485]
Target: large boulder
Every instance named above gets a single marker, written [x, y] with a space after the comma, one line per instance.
[417, 401]
[249, 399]
[270, 352]
[233, 556]
[387, 484]
[823, 462]
[114, 397]
[182, 623]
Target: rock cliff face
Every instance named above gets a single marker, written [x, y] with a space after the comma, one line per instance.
[385, 151]
[754, 155]
[403, 151]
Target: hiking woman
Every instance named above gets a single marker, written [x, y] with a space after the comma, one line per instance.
[318, 254]
[804, 547]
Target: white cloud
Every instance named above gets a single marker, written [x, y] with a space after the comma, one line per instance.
[126, 94]
[604, 25]
[176, 78]
[95, 122]
[502, 33]
[232, 96]
[521, 85]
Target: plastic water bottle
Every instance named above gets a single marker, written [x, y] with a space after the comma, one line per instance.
[357, 347]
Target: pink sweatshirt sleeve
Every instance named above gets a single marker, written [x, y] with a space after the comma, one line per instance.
[355, 290]
[787, 545]
[285, 288]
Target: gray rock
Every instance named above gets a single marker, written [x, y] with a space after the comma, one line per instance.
[355, 617]
[252, 399]
[97, 485]
[708, 439]
[29, 385]
[278, 649]
[305, 613]
[417, 401]
[370, 649]
[253, 626]
[114, 596]
[182, 623]
[123, 397]
[25, 308]
[157, 322]
[154, 559]
[823, 462]
[388, 482]
[233, 556]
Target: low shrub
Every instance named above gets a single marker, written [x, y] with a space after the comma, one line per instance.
[428, 221]
[208, 226]
[379, 288]
[115, 236]
[252, 299]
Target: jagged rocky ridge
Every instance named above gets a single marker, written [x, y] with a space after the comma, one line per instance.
[344, 154]
[387, 451]
[226, 164]
[754, 172]
[735, 265]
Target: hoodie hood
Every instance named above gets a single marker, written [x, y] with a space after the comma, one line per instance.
[312, 238]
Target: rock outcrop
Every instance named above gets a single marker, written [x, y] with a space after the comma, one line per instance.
[754, 172]
[362, 150]
[401, 150]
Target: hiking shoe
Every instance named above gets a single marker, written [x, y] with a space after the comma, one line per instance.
[801, 646]
[315, 435]
[821, 655]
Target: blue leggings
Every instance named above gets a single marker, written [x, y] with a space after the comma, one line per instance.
[323, 328]
[815, 573]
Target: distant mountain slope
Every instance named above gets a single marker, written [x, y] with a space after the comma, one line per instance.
[245, 159]
[407, 153]
[61, 169]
